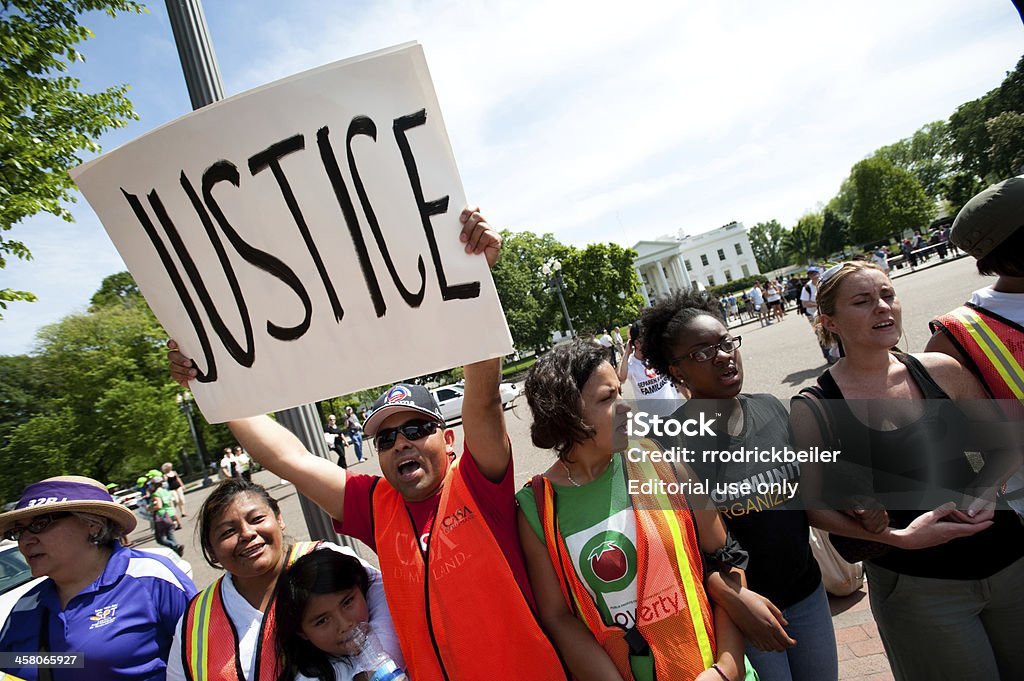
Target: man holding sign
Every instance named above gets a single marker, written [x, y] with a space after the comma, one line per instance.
[444, 527]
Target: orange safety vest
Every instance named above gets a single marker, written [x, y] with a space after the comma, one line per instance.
[458, 611]
[669, 566]
[993, 344]
[207, 629]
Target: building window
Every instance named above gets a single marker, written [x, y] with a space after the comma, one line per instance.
[746, 271]
[689, 267]
[728, 275]
[721, 254]
[704, 260]
[711, 280]
[739, 249]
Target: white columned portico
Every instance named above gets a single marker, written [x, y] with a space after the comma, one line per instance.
[680, 272]
[643, 287]
[661, 283]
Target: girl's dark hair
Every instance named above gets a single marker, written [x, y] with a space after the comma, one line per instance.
[553, 392]
[220, 498]
[1006, 259]
[323, 571]
[663, 323]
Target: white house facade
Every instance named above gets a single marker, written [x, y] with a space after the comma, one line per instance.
[699, 261]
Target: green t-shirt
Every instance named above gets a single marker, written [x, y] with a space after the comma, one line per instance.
[166, 505]
[599, 530]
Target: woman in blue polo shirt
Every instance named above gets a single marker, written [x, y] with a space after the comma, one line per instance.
[115, 606]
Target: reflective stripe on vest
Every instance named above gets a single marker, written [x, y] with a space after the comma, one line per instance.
[684, 642]
[982, 337]
[457, 608]
[207, 630]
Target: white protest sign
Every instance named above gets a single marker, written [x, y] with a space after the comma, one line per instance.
[301, 241]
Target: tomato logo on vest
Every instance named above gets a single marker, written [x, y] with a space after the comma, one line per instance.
[608, 562]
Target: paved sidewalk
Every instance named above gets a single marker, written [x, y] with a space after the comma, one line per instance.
[861, 656]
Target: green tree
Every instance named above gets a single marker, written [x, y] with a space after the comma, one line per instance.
[1006, 131]
[958, 189]
[45, 119]
[803, 242]
[886, 200]
[766, 241]
[96, 399]
[603, 286]
[926, 154]
[116, 289]
[532, 312]
[970, 137]
[834, 232]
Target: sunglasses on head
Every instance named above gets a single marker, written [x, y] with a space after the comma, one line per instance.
[37, 525]
[412, 430]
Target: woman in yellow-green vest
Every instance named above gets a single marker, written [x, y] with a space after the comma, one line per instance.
[617, 572]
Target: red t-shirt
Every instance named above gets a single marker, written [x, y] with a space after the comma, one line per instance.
[496, 501]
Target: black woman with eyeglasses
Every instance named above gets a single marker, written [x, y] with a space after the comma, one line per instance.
[783, 611]
[110, 607]
[443, 525]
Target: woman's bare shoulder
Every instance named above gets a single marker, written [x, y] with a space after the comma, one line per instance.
[951, 375]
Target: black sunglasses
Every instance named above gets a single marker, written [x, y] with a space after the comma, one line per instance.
[37, 525]
[412, 430]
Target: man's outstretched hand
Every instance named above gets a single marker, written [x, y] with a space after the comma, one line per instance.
[182, 369]
[479, 236]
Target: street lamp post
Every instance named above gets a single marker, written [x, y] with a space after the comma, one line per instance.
[185, 402]
[552, 269]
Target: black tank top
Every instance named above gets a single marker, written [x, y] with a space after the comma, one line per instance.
[929, 451]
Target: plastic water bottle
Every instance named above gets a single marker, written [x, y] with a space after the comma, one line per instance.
[373, 659]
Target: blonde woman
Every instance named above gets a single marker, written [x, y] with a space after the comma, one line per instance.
[176, 487]
[946, 594]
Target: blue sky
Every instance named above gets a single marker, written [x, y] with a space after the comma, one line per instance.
[597, 121]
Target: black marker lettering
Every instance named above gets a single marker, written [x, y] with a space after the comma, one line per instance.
[244, 356]
[348, 210]
[271, 157]
[225, 171]
[210, 374]
[361, 125]
[435, 207]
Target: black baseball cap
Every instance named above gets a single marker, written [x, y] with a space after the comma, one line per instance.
[402, 397]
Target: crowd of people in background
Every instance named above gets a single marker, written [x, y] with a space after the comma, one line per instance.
[578, 575]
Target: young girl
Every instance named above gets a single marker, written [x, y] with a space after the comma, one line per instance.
[229, 628]
[323, 620]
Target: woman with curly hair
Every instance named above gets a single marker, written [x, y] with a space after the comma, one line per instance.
[784, 612]
[617, 573]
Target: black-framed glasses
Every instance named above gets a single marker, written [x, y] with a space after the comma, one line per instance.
[412, 430]
[704, 354]
[38, 525]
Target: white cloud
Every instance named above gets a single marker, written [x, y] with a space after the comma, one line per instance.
[616, 121]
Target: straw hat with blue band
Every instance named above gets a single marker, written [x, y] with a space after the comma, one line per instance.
[68, 493]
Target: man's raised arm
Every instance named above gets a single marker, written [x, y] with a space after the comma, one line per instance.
[277, 449]
[483, 421]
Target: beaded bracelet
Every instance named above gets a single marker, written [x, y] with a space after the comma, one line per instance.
[720, 672]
